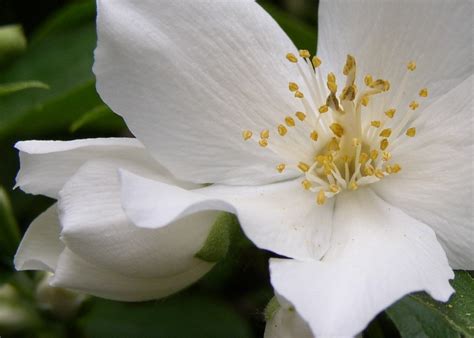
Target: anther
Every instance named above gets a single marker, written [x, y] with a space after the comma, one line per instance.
[291, 57]
[331, 83]
[390, 113]
[321, 198]
[353, 186]
[333, 145]
[299, 94]
[414, 105]
[306, 184]
[280, 167]
[379, 173]
[349, 93]
[304, 53]
[364, 100]
[386, 156]
[383, 144]
[396, 168]
[386, 132]
[247, 134]
[411, 132]
[411, 65]
[282, 130]
[334, 188]
[323, 109]
[374, 154]
[316, 61]
[265, 133]
[349, 66]
[363, 158]
[290, 122]
[368, 80]
[263, 142]
[293, 87]
[337, 129]
[375, 124]
[300, 115]
[314, 135]
[303, 167]
[423, 92]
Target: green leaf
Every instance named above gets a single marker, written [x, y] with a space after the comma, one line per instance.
[9, 232]
[418, 315]
[10, 88]
[184, 315]
[304, 36]
[217, 243]
[12, 42]
[95, 116]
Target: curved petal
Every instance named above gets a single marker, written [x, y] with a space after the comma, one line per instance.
[281, 217]
[46, 165]
[189, 76]
[96, 228]
[40, 247]
[385, 35]
[435, 185]
[286, 323]
[378, 254]
[75, 273]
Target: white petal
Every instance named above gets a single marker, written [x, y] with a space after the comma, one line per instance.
[189, 76]
[40, 247]
[378, 254]
[47, 165]
[385, 35]
[435, 185]
[96, 228]
[75, 273]
[287, 323]
[281, 217]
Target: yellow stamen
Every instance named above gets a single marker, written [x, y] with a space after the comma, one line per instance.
[411, 65]
[290, 122]
[369, 170]
[386, 156]
[375, 124]
[390, 113]
[353, 186]
[423, 92]
[316, 61]
[299, 94]
[300, 115]
[368, 80]
[363, 158]
[349, 66]
[306, 184]
[263, 142]
[331, 83]
[364, 100]
[291, 57]
[386, 132]
[314, 135]
[280, 167]
[247, 134]
[323, 109]
[333, 145]
[305, 53]
[337, 129]
[293, 87]
[374, 154]
[282, 130]
[265, 133]
[379, 173]
[303, 167]
[388, 169]
[414, 105]
[411, 132]
[384, 144]
[396, 168]
[321, 198]
[349, 93]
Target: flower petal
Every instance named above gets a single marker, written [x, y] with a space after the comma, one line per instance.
[435, 185]
[96, 228]
[286, 322]
[40, 247]
[189, 76]
[281, 217]
[384, 36]
[75, 273]
[378, 254]
[47, 165]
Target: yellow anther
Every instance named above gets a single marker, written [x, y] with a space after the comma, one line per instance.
[386, 156]
[384, 144]
[306, 184]
[388, 169]
[247, 134]
[349, 93]
[386, 132]
[423, 92]
[304, 53]
[316, 61]
[414, 105]
[290, 122]
[368, 80]
[355, 142]
[314, 135]
[263, 142]
[299, 94]
[320, 159]
[364, 100]
[411, 132]
[368, 171]
[396, 168]
[280, 167]
[353, 185]
[375, 124]
[265, 133]
[303, 167]
[374, 153]
[411, 65]
[350, 65]
[282, 130]
[323, 109]
[390, 113]
[363, 158]
[379, 173]
[293, 87]
[331, 83]
[291, 57]
[334, 188]
[321, 197]
[337, 129]
[333, 145]
[300, 115]
[380, 84]
[345, 159]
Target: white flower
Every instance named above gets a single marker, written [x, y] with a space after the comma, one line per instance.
[87, 240]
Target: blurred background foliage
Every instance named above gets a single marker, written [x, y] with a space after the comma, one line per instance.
[47, 91]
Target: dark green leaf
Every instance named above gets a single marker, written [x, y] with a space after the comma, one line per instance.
[10, 88]
[9, 232]
[418, 315]
[12, 42]
[95, 116]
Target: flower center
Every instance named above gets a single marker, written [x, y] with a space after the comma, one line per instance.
[338, 142]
